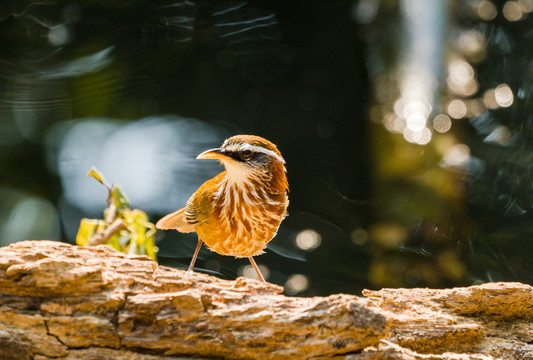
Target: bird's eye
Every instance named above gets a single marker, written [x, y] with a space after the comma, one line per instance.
[246, 154]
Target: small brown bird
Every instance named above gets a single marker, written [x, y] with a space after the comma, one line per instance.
[238, 211]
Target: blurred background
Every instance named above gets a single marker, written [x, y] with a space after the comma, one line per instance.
[405, 126]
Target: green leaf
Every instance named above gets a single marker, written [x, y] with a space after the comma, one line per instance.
[121, 201]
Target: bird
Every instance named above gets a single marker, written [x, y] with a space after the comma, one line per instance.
[237, 212]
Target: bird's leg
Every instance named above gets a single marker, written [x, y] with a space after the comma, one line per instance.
[198, 247]
[256, 269]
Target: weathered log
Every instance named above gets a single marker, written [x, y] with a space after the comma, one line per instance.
[63, 301]
[67, 302]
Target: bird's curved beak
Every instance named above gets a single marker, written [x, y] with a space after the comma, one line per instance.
[216, 154]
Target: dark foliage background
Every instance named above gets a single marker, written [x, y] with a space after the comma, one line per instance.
[405, 127]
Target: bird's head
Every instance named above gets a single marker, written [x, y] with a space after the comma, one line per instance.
[246, 156]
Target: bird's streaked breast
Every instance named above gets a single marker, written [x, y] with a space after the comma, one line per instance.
[245, 216]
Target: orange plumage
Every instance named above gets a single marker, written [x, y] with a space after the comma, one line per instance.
[238, 211]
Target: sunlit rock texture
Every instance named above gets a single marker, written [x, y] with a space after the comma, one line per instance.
[66, 302]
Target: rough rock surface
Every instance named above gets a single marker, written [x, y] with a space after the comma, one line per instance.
[59, 301]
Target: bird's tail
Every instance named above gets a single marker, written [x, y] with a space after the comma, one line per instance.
[175, 221]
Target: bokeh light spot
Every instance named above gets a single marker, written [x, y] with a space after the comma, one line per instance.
[490, 100]
[365, 11]
[476, 107]
[416, 107]
[461, 79]
[457, 109]
[359, 236]
[457, 155]
[460, 70]
[473, 44]
[512, 11]
[296, 283]
[58, 35]
[421, 137]
[28, 218]
[526, 5]
[442, 123]
[503, 95]
[308, 239]
[249, 271]
[393, 123]
[486, 10]
[389, 235]
[416, 122]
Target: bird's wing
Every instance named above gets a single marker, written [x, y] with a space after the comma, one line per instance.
[197, 209]
[177, 221]
[200, 204]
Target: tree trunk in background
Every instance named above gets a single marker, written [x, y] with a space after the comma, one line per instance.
[66, 302]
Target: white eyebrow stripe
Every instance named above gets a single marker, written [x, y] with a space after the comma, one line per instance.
[262, 150]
